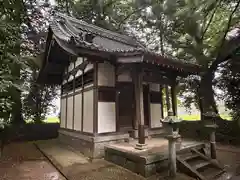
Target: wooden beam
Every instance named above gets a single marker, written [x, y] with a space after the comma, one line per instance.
[167, 98]
[161, 103]
[139, 114]
[95, 99]
[73, 98]
[174, 98]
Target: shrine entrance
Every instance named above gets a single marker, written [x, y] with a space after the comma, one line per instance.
[126, 105]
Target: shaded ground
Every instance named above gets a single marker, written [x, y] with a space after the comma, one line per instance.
[23, 161]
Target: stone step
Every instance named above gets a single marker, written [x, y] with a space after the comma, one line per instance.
[188, 156]
[215, 175]
[201, 165]
[210, 171]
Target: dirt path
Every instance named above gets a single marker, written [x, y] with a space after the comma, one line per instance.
[22, 161]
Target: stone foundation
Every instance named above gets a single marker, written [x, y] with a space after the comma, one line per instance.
[90, 146]
[146, 163]
[149, 132]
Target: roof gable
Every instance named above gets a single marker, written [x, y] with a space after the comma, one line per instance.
[75, 27]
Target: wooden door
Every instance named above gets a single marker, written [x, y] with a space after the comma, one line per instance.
[126, 106]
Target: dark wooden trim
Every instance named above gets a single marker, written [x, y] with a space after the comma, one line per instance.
[174, 98]
[120, 83]
[82, 107]
[73, 121]
[79, 92]
[106, 94]
[167, 98]
[82, 91]
[91, 134]
[149, 108]
[116, 101]
[155, 97]
[66, 105]
[95, 99]
[157, 79]
[138, 88]
[161, 103]
[156, 128]
[80, 132]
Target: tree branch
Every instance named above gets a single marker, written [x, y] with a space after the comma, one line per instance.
[129, 15]
[220, 59]
[218, 2]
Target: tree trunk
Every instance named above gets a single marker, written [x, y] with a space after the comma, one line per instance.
[206, 95]
[17, 117]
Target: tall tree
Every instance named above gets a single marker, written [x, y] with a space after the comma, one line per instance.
[193, 31]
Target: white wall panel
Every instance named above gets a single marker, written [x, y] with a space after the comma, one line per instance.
[78, 112]
[69, 112]
[106, 74]
[88, 111]
[71, 66]
[130, 59]
[88, 67]
[155, 110]
[125, 77]
[79, 61]
[154, 87]
[79, 72]
[106, 117]
[63, 113]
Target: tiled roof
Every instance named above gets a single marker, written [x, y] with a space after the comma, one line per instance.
[72, 31]
[73, 26]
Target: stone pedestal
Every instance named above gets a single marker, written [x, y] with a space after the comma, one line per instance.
[212, 128]
[172, 139]
[141, 146]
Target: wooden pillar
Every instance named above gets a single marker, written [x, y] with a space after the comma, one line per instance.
[174, 98]
[139, 114]
[161, 95]
[167, 98]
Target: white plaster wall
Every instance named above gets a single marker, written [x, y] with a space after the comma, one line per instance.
[79, 72]
[87, 86]
[154, 87]
[128, 59]
[78, 112]
[71, 66]
[79, 61]
[106, 117]
[63, 113]
[88, 111]
[69, 112]
[106, 74]
[88, 67]
[70, 78]
[125, 77]
[155, 110]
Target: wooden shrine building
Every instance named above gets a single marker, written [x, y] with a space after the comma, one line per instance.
[111, 85]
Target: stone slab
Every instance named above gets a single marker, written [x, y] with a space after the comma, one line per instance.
[62, 155]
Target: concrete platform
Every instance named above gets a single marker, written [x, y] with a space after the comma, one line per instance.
[149, 161]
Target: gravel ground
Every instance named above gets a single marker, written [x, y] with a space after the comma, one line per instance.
[23, 161]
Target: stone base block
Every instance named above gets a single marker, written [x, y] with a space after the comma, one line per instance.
[90, 146]
[141, 146]
[134, 133]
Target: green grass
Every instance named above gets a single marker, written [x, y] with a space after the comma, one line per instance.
[196, 117]
[48, 120]
[52, 120]
[190, 117]
[185, 117]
